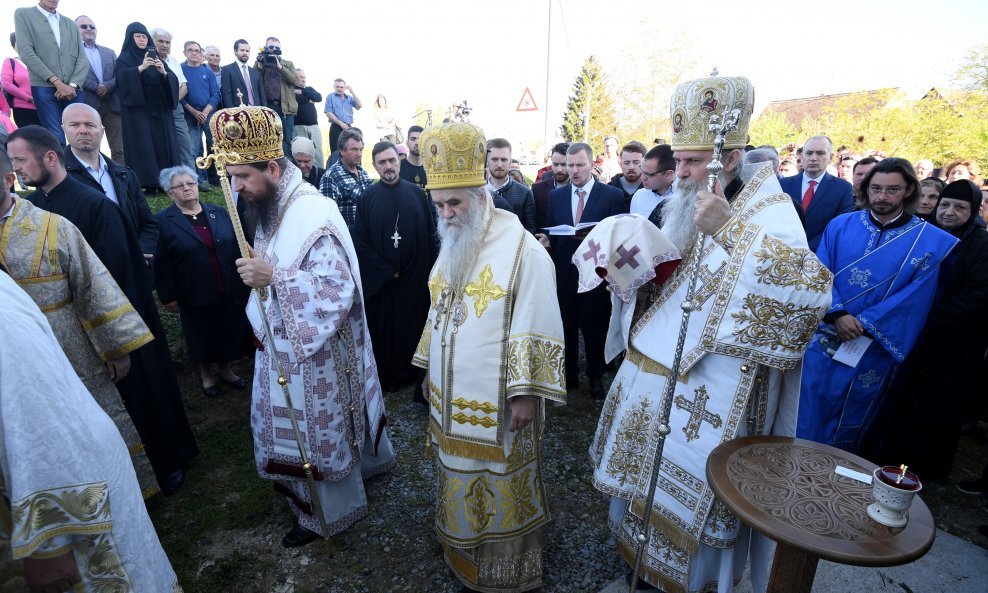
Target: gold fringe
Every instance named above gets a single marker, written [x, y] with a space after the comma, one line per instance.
[648, 365]
[454, 446]
[650, 576]
[672, 532]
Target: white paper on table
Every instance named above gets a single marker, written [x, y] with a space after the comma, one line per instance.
[565, 229]
[850, 353]
[854, 475]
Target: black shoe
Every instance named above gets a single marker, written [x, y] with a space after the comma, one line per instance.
[213, 391]
[239, 384]
[597, 389]
[173, 482]
[972, 487]
[299, 536]
[641, 585]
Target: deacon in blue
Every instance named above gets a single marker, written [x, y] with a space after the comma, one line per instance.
[885, 263]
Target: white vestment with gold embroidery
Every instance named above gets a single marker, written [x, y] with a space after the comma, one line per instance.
[66, 478]
[762, 294]
[504, 341]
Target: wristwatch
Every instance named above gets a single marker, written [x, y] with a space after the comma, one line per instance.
[73, 85]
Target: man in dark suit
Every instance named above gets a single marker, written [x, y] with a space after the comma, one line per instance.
[823, 196]
[583, 200]
[100, 85]
[629, 180]
[558, 178]
[238, 76]
[85, 164]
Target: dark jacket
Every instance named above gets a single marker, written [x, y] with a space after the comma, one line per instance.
[307, 115]
[133, 203]
[181, 269]
[541, 191]
[109, 59]
[831, 198]
[232, 80]
[522, 203]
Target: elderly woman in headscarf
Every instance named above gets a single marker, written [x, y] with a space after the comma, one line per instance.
[195, 275]
[148, 93]
[938, 387]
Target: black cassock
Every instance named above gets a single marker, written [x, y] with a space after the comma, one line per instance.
[395, 278]
[147, 103]
[149, 390]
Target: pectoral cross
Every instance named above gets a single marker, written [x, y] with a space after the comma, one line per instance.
[396, 238]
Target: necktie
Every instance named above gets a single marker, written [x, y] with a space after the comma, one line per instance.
[250, 93]
[579, 205]
[808, 196]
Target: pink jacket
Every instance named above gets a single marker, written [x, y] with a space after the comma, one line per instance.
[17, 82]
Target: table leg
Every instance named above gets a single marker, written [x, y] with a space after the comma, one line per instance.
[793, 570]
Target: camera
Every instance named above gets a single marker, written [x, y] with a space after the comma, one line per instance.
[267, 55]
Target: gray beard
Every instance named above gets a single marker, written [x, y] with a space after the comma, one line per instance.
[460, 244]
[677, 215]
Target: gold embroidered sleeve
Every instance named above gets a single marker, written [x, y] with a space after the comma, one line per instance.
[798, 268]
[729, 234]
[771, 324]
[421, 357]
[41, 520]
[112, 324]
[535, 367]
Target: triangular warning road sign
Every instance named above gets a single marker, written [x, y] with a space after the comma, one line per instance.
[527, 102]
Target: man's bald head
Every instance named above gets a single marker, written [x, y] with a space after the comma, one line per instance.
[83, 128]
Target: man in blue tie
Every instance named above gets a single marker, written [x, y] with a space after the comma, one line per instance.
[823, 196]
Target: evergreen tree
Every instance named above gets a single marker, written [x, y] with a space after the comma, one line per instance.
[592, 83]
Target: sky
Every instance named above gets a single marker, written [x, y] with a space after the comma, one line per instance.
[443, 51]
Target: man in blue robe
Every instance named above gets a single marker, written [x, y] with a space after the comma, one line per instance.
[885, 263]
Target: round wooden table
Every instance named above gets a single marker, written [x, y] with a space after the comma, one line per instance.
[786, 489]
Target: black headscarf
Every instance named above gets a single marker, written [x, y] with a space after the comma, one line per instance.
[132, 56]
[967, 191]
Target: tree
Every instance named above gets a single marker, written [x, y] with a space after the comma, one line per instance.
[774, 129]
[972, 74]
[590, 84]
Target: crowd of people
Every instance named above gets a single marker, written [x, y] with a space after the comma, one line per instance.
[436, 276]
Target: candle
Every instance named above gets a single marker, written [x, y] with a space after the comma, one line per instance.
[899, 477]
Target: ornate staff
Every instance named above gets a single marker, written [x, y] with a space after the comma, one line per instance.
[714, 167]
[221, 159]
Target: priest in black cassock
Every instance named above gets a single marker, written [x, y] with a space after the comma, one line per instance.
[150, 391]
[396, 243]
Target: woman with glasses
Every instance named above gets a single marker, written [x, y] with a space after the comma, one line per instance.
[196, 277]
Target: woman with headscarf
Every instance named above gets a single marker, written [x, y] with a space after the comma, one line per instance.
[936, 389]
[148, 94]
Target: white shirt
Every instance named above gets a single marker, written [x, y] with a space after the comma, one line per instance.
[806, 184]
[645, 200]
[103, 177]
[176, 67]
[95, 60]
[576, 199]
[52, 18]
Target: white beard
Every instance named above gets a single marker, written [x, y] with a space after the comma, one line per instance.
[460, 244]
[677, 215]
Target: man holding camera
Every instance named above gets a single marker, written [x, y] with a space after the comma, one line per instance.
[339, 110]
[279, 80]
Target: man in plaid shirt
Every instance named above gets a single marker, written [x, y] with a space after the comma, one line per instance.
[346, 180]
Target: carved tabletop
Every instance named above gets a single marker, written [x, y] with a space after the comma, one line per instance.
[786, 489]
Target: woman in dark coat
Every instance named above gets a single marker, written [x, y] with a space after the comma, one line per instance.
[195, 275]
[938, 385]
[148, 93]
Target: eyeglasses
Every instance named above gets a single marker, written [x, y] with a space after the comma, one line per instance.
[891, 191]
[91, 27]
[187, 185]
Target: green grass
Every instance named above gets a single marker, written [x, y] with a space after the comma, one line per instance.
[158, 201]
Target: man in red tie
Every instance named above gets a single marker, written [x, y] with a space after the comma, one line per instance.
[583, 200]
[823, 196]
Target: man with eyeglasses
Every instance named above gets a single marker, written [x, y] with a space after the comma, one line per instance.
[658, 175]
[202, 100]
[823, 196]
[100, 85]
[886, 263]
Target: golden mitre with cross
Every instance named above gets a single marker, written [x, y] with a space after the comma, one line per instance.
[454, 155]
[252, 132]
[694, 102]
